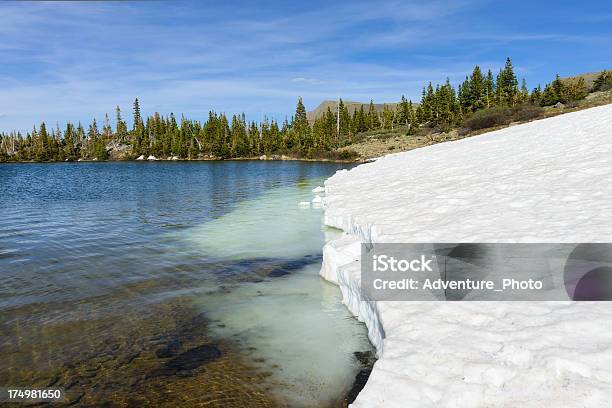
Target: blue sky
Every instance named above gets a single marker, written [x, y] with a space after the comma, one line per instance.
[76, 61]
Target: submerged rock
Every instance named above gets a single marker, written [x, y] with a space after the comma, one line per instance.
[194, 358]
[170, 350]
[187, 361]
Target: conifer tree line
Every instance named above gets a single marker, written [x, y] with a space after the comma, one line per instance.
[441, 106]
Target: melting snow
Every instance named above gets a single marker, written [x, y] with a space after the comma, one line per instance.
[545, 181]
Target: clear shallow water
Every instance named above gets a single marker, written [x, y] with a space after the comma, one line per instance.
[121, 267]
[295, 323]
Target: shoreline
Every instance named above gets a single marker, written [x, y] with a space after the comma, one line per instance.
[504, 352]
[321, 160]
[426, 141]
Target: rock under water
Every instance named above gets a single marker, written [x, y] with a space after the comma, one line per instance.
[188, 360]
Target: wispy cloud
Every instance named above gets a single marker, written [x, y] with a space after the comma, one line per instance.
[311, 81]
[75, 61]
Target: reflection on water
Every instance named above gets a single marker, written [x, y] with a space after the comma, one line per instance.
[172, 283]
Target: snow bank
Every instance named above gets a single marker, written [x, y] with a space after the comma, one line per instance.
[545, 181]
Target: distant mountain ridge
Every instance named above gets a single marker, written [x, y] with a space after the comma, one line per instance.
[352, 107]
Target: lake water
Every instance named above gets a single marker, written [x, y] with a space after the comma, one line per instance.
[171, 284]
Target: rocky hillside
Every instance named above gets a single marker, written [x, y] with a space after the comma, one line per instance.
[589, 78]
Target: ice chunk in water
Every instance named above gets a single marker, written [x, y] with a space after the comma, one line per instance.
[318, 190]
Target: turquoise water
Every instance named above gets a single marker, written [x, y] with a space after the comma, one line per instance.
[121, 267]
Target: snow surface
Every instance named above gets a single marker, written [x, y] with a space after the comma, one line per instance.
[545, 181]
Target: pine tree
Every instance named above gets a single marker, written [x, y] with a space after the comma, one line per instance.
[139, 138]
[603, 82]
[536, 95]
[55, 152]
[253, 135]
[554, 92]
[477, 90]
[412, 116]
[388, 117]
[465, 95]
[558, 88]
[275, 137]
[489, 90]
[240, 142]
[42, 151]
[301, 128]
[137, 116]
[80, 134]
[403, 115]
[121, 126]
[345, 120]
[428, 104]
[576, 90]
[70, 148]
[359, 122]
[373, 119]
[107, 131]
[95, 144]
[507, 85]
[524, 94]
